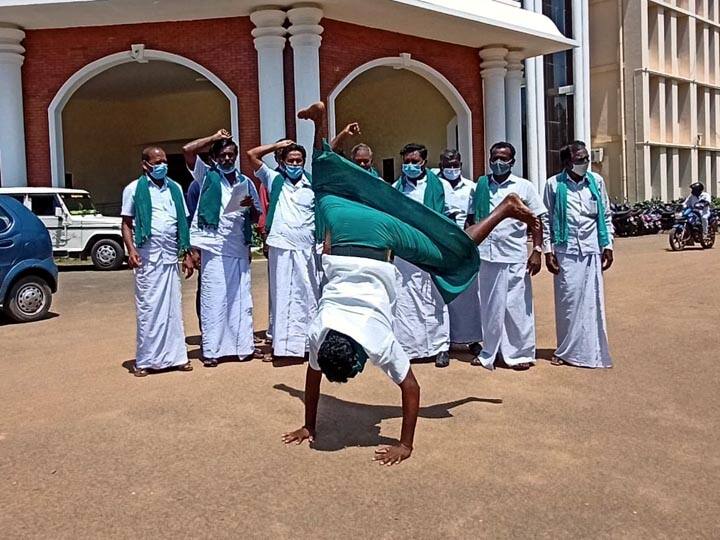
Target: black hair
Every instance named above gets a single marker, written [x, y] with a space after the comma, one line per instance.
[149, 150]
[220, 145]
[294, 147]
[450, 154]
[340, 357]
[358, 147]
[414, 147]
[567, 151]
[503, 144]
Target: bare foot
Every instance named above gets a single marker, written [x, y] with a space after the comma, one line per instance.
[314, 112]
[517, 209]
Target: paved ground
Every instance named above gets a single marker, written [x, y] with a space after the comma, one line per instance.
[86, 450]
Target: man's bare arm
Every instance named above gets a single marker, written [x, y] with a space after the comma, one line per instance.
[312, 397]
[392, 455]
[350, 131]
[193, 148]
[511, 207]
[256, 154]
[127, 235]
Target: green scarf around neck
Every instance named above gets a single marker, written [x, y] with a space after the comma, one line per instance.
[276, 188]
[482, 198]
[210, 204]
[561, 230]
[143, 214]
[434, 197]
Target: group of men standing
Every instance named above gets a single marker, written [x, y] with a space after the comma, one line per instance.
[212, 234]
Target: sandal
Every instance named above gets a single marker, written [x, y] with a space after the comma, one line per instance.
[209, 362]
[187, 366]
[257, 353]
[524, 366]
[557, 361]
[141, 372]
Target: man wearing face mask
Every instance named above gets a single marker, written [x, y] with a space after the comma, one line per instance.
[422, 324]
[156, 235]
[465, 326]
[222, 232]
[508, 322]
[293, 272]
[578, 250]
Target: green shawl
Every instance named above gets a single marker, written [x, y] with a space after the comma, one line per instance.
[210, 204]
[482, 198]
[434, 242]
[561, 230]
[275, 190]
[434, 197]
[143, 214]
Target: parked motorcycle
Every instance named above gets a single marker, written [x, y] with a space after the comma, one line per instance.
[688, 230]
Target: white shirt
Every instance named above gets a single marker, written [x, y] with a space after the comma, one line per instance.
[582, 213]
[229, 237]
[416, 191]
[459, 198]
[162, 245]
[507, 243]
[692, 200]
[293, 225]
[358, 301]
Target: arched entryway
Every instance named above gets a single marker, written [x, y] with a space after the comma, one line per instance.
[108, 111]
[398, 100]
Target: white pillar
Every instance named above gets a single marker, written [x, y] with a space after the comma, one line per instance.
[269, 42]
[493, 74]
[13, 171]
[305, 40]
[513, 106]
[581, 72]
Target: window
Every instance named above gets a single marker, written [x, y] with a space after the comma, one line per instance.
[5, 221]
[43, 205]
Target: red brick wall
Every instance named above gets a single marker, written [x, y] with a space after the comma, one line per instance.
[224, 46]
[347, 46]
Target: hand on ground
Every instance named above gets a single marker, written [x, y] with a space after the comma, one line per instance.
[298, 436]
[392, 455]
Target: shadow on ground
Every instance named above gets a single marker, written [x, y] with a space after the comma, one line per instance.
[344, 424]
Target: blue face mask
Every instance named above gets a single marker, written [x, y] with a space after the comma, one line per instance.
[294, 172]
[452, 174]
[227, 170]
[499, 167]
[159, 171]
[412, 170]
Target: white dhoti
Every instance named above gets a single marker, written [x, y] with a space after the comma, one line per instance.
[508, 322]
[580, 312]
[160, 331]
[226, 306]
[422, 324]
[293, 278]
[465, 320]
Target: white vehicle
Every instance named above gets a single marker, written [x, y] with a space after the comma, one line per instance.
[76, 228]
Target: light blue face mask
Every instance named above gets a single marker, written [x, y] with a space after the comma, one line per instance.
[452, 173]
[500, 167]
[227, 170]
[412, 170]
[159, 171]
[294, 172]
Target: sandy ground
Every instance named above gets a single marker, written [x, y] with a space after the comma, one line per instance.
[88, 451]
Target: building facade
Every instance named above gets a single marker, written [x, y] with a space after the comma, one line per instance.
[85, 85]
[656, 95]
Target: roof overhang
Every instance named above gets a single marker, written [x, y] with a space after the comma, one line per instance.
[474, 23]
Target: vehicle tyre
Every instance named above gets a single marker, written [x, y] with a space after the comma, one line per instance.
[708, 242]
[29, 299]
[107, 254]
[677, 243]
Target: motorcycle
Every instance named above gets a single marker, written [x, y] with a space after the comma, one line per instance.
[688, 229]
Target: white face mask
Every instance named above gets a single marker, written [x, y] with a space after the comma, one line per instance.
[452, 174]
[580, 168]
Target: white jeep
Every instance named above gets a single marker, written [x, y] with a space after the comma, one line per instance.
[76, 228]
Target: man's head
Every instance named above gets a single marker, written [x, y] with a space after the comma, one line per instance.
[451, 164]
[502, 158]
[292, 158]
[340, 357]
[697, 188]
[224, 152]
[414, 158]
[362, 155]
[575, 158]
[278, 153]
[154, 162]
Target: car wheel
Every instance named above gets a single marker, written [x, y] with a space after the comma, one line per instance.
[107, 254]
[29, 299]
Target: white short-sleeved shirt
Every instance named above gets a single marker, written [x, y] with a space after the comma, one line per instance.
[458, 199]
[507, 243]
[582, 214]
[162, 245]
[358, 301]
[229, 237]
[293, 225]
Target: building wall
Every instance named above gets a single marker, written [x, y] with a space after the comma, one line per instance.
[385, 103]
[347, 46]
[224, 46]
[103, 139]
